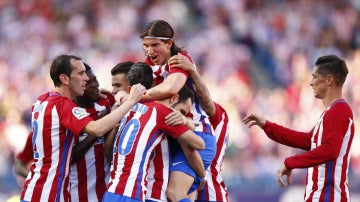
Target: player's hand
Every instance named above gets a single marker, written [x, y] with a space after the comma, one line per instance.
[136, 92]
[121, 97]
[175, 118]
[202, 184]
[103, 92]
[182, 62]
[254, 119]
[284, 171]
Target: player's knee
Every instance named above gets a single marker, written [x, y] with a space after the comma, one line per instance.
[174, 194]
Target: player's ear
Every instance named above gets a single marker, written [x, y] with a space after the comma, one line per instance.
[128, 89]
[330, 79]
[169, 43]
[65, 79]
[174, 99]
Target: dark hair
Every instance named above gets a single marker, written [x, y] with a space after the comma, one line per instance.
[121, 68]
[61, 65]
[184, 94]
[141, 73]
[87, 67]
[331, 64]
[160, 28]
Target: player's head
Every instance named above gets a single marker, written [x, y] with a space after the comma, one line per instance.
[91, 92]
[158, 44]
[332, 65]
[62, 64]
[141, 73]
[119, 73]
[183, 100]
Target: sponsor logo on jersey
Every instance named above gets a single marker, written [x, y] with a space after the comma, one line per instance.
[79, 113]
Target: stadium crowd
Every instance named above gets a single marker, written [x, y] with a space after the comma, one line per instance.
[253, 55]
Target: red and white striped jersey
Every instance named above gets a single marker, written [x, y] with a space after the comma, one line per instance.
[215, 188]
[327, 158]
[158, 172]
[197, 113]
[139, 132]
[88, 176]
[55, 119]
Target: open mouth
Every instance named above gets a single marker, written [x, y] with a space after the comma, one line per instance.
[154, 58]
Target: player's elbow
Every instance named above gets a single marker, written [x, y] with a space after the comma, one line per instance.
[199, 144]
[94, 129]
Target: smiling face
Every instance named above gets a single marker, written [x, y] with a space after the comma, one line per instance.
[157, 50]
[319, 84]
[78, 78]
[92, 88]
[119, 82]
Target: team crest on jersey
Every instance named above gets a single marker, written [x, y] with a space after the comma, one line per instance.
[79, 112]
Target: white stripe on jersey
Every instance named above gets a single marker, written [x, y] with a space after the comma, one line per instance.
[339, 163]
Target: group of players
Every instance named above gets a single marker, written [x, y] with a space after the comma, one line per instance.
[159, 131]
[162, 134]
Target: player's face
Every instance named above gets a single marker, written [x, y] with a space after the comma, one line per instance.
[156, 50]
[78, 78]
[184, 108]
[319, 84]
[92, 87]
[119, 82]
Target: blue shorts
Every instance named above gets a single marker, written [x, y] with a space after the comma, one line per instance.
[109, 196]
[179, 162]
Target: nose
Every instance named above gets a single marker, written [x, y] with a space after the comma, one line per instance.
[148, 51]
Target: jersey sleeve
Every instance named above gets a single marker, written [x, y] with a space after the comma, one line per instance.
[173, 131]
[217, 116]
[286, 136]
[178, 70]
[73, 117]
[26, 155]
[336, 124]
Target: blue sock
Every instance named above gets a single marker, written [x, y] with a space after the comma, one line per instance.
[185, 200]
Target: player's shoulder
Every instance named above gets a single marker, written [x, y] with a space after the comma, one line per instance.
[54, 97]
[340, 107]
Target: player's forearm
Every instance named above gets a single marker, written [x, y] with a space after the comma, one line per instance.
[101, 126]
[169, 87]
[202, 93]
[109, 143]
[191, 140]
[82, 147]
[194, 159]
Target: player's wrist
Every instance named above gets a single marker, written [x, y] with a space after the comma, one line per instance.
[203, 179]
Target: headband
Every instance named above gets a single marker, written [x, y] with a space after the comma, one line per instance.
[156, 37]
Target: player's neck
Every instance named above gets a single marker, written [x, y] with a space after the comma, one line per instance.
[332, 97]
[64, 92]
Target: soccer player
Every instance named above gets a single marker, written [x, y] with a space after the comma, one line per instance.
[328, 144]
[89, 166]
[140, 131]
[55, 119]
[215, 188]
[119, 81]
[159, 46]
